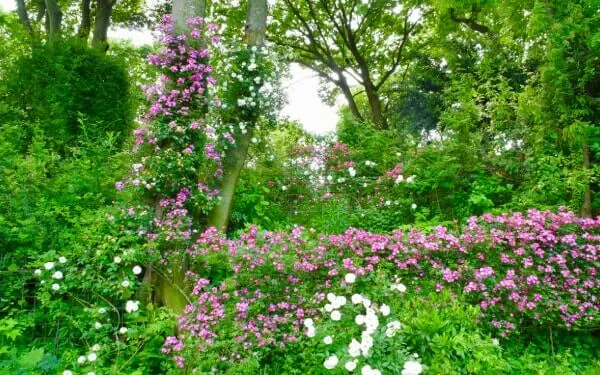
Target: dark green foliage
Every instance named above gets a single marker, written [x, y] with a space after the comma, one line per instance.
[58, 86]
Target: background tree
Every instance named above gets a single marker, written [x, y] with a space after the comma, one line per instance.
[55, 18]
[235, 158]
[352, 40]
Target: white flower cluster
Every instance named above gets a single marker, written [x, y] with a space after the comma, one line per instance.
[370, 321]
[56, 275]
[261, 89]
[397, 285]
[310, 327]
[408, 180]
[335, 302]
[412, 368]
[92, 356]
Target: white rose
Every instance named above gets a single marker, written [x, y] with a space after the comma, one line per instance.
[399, 287]
[137, 270]
[412, 368]
[331, 362]
[328, 340]
[350, 278]
[336, 315]
[49, 266]
[339, 301]
[132, 306]
[351, 365]
[359, 319]
[354, 348]
[385, 310]
[331, 297]
[57, 275]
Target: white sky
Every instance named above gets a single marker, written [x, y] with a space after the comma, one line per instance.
[304, 104]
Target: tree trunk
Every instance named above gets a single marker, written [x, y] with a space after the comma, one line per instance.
[375, 105]
[23, 16]
[235, 160]
[53, 19]
[256, 25]
[169, 290]
[86, 20]
[41, 11]
[371, 90]
[586, 207]
[184, 9]
[343, 85]
[101, 23]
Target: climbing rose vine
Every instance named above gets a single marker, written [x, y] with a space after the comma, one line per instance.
[180, 153]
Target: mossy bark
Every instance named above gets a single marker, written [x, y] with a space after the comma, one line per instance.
[255, 33]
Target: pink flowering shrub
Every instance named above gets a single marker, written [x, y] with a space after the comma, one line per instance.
[522, 270]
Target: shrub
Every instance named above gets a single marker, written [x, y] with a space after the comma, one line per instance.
[58, 86]
[279, 279]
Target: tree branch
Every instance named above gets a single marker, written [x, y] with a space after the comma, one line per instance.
[86, 20]
[23, 16]
[470, 22]
[54, 18]
[41, 11]
[398, 55]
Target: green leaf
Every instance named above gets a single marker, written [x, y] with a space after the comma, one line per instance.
[32, 359]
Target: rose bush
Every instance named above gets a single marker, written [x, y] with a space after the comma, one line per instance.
[278, 280]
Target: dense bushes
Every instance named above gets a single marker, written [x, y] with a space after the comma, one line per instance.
[523, 273]
[55, 88]
[86, 269]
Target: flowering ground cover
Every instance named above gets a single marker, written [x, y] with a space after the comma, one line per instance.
[522, 272]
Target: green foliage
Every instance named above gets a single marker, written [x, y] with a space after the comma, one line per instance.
[55, 88]
[491, 108]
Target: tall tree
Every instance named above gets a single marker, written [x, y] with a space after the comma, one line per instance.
[104, 9]
[169, 288]
[342, 40]
[95, 17]
[235, 158]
